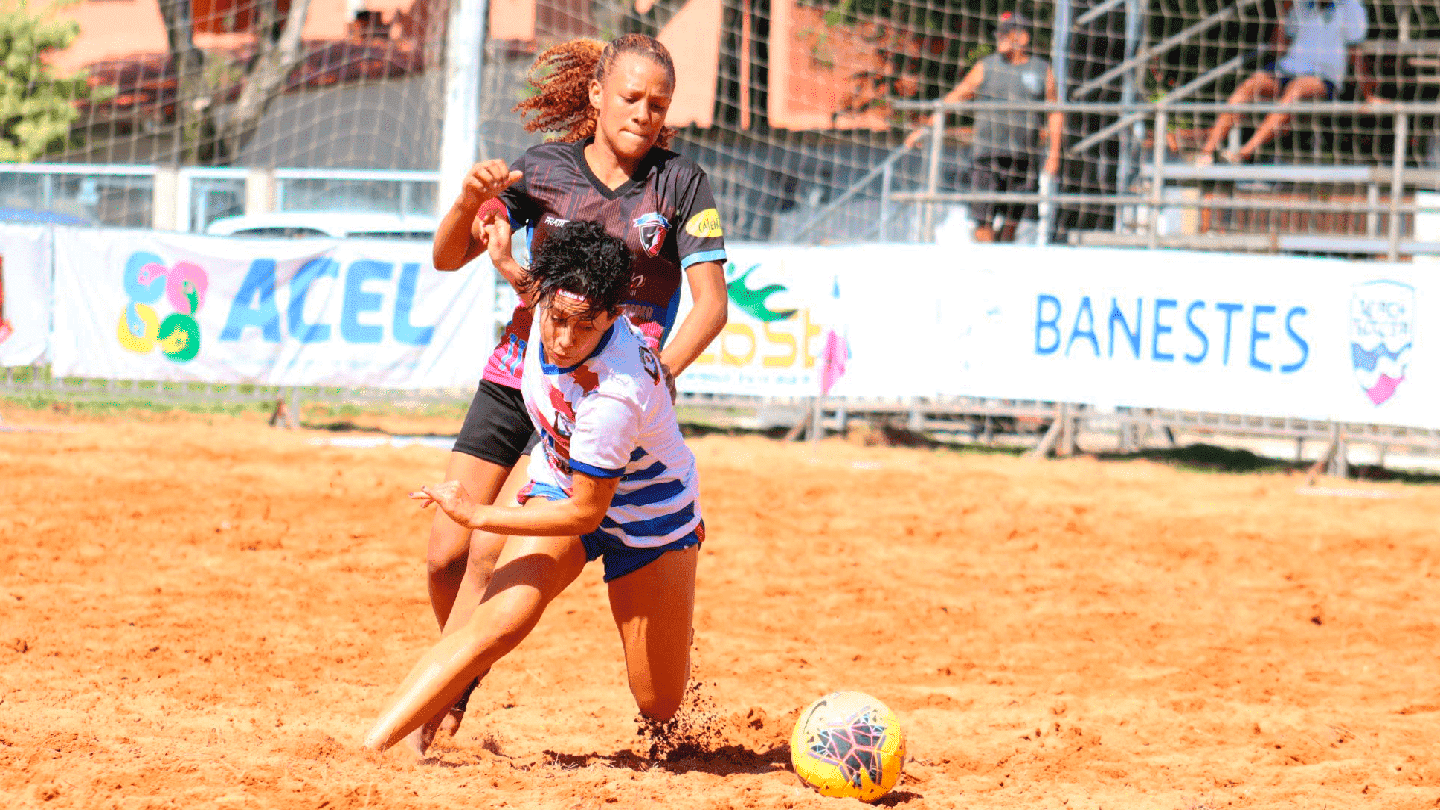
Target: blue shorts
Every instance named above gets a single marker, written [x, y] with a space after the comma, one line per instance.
[619, 559]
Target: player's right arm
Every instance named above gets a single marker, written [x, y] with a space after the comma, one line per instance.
[456, 242]
[492, 228]
[581, 513]
[964, 91]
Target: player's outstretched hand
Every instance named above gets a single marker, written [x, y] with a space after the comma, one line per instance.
[452, 499]
[485, 181]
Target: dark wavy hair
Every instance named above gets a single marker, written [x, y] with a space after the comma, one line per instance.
[581, 258]
[561, 79]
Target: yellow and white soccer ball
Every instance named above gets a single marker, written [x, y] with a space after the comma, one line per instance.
[848, 744]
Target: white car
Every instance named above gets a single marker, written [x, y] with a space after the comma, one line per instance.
[343, 225]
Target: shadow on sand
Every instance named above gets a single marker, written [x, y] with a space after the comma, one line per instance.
[1211, 458]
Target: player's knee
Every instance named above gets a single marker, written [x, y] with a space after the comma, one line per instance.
[484, 553]
[1249, 88]
[448, 548]
[660, 699]
[444, 563]
[1303, 89]
[508, 620]
[659, 705]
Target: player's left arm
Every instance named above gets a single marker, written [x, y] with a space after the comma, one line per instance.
[1055, 123]
[708, 313]
[579, 514]
[700, 243]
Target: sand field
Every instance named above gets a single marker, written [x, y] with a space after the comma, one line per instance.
[202, 611]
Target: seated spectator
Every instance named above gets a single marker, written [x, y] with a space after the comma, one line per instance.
[1315, 40]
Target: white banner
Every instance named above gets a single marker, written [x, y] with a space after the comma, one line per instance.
[25, 296]
[1255, 335]
[1269, 336]
[147, 305]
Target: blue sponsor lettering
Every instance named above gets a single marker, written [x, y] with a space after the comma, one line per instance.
[1042, 323]
[1229, 310]
[1197, 332]
[367, 285]
[1161, 329]
[1290, 317]
[358, 301]
[323, 267]
[1117, 315]
[254, 304]
[1257, 336]
[406, 332]
[1249, 326]
[1088, 331]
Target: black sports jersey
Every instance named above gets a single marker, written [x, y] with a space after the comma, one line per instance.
[665, 214]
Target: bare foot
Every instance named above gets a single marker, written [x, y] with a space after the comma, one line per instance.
[1205, 159]
[418, 741]
[1233, 156]
[450, 723]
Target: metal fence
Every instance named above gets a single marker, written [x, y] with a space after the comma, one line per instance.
[1311, 195]
[188, 199]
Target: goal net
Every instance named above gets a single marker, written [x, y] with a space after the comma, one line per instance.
[800, 110]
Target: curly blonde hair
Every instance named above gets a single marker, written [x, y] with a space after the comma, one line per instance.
[561, 77]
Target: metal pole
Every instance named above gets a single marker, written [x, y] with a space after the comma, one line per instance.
[1131, 137]
[1060, 64]
[459, 131]
[1157, 178]
[1397, 181]
[886, 177]
[1060, 49]
[932, 174]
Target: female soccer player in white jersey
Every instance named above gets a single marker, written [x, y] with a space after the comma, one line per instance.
[612, 480]
[607, 105]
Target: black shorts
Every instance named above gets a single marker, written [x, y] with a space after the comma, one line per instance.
[496, 427]
[1004, 174]
[1283, 79]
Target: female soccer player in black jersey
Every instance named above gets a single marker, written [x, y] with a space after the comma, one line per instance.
[609, 165]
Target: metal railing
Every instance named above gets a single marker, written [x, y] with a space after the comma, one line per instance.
[1144, 203]
[188, 199]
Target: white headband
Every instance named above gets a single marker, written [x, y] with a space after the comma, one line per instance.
[573, 298]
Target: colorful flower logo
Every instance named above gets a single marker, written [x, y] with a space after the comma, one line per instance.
[183, 285]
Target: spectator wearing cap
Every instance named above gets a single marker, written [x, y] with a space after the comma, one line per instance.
[1006, 149]
[1315, 40]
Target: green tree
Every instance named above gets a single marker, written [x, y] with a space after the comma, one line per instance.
[213, 136]
[36, 106]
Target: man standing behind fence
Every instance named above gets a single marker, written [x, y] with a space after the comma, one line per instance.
[1006, 153]
[1316, 38]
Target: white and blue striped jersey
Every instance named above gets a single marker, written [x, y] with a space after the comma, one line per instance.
[611, 416]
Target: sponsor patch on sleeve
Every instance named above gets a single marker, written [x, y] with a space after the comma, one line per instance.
[705, 225]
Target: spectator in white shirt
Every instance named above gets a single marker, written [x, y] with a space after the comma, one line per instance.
[1316, 39]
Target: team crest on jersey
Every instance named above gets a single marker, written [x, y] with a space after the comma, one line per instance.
[650, 362]
[652, 228]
